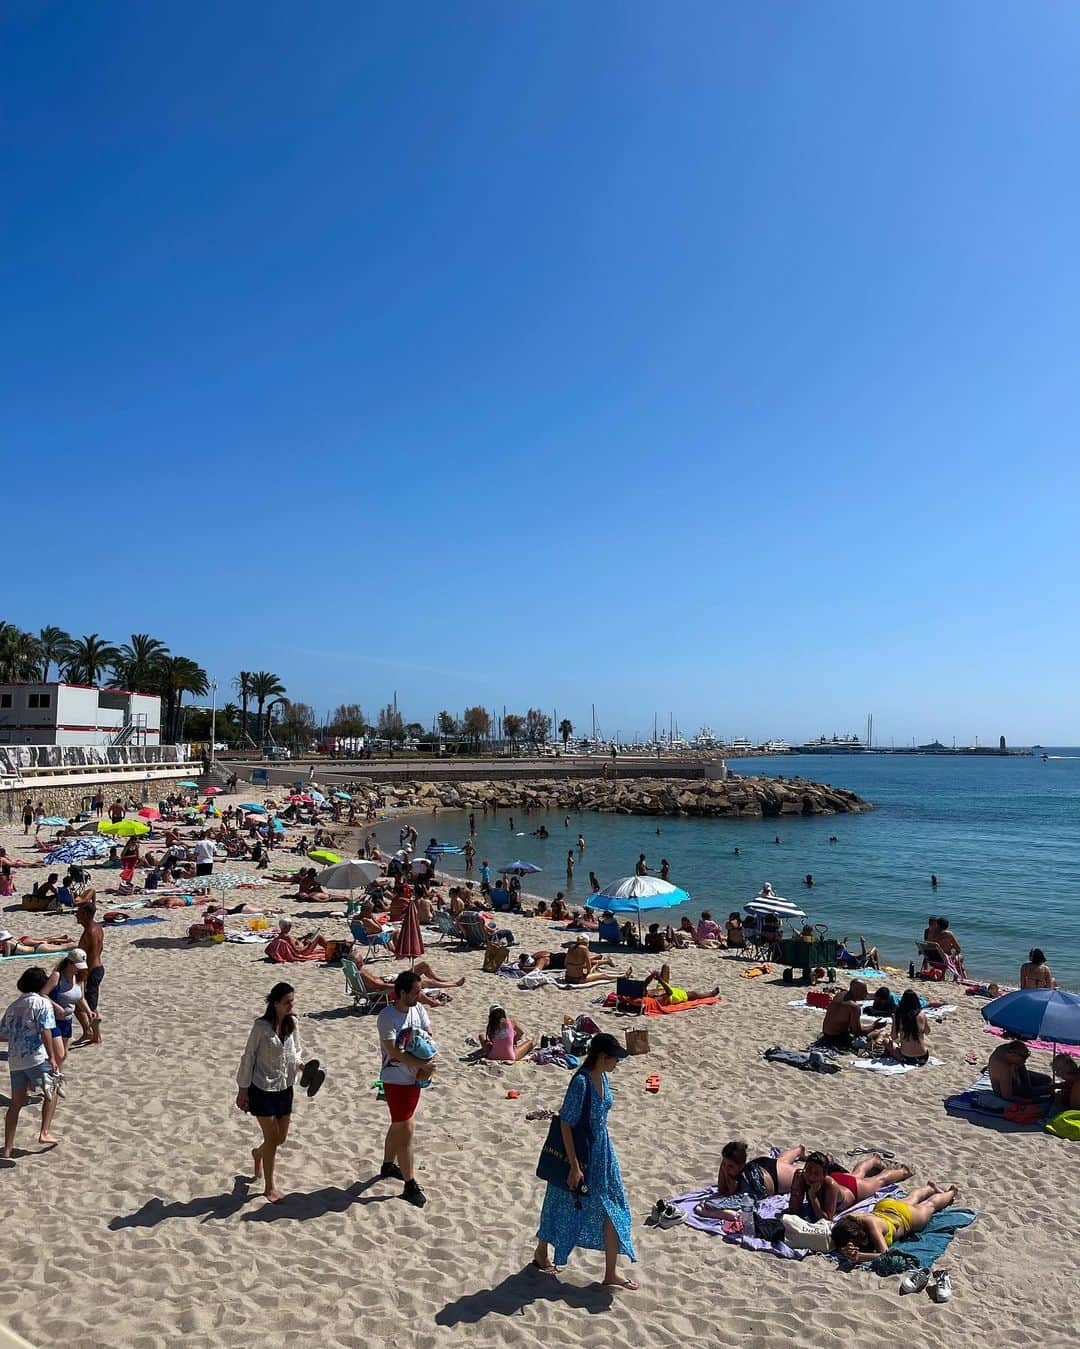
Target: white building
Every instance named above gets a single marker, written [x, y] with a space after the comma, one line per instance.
[73, 714]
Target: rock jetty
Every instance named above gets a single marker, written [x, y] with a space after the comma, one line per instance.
[738, 798]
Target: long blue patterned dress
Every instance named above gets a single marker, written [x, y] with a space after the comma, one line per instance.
[561, 1224]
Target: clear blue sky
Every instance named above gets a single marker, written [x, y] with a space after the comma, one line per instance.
[713, 358]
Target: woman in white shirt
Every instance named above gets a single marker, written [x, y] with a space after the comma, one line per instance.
[265, 1078]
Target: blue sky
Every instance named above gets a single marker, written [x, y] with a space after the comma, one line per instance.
[719, 359]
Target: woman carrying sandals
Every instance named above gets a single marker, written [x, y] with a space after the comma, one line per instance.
[265, 1079]
[591, 1212]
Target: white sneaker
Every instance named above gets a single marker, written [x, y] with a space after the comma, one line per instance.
[941, 1289]
[915, 1281]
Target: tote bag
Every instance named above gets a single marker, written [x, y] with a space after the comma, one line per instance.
[553, 1164]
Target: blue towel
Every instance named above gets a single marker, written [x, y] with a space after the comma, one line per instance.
[133, 922]
[929, 1245]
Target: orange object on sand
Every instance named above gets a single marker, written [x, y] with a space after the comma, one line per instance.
[653, 1008]
[512, 1095]
[652, 1083]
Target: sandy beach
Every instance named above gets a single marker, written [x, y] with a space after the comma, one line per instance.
[140, 1229]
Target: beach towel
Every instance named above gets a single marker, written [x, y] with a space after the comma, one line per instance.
[653, 1008]
[812, 1061]
[246, 937]
[122, 920]
[921, 1249]
[891, 1068]
[982, 1103]
[1031, 1044]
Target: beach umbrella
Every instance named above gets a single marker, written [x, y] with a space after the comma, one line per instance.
[519, 869]
[776, 904]
[324, 855]
[277, 826]
[343, 796]
[213, 791]
[408, 941]
[187, 783]
[253, 807]
[1037, 1014]
[123, 828]
[208, 808]
[637, 894]
[348, 875]
[149, 813]
[54, 820]
[78, 850]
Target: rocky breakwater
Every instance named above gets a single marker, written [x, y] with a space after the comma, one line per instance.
[738, 798]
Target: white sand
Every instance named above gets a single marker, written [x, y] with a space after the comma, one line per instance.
[138, 1229]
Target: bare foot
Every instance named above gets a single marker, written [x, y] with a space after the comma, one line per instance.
[272, 1197]
[257, 1159]
[933, 1187]
[631, 1285]
[715, 993]
[905, 1172]
[48, 1139]
[460, 983]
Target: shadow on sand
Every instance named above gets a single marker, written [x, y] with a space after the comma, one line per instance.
[518, 1291]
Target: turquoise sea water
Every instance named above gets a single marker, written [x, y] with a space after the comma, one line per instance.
[1002, 835]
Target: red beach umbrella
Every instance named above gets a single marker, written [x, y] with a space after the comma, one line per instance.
[212, 791]
[149, 813]
[408, 941]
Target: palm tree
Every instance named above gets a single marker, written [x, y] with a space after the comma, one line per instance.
[178, 675]
[138, 666]
[52, 643]
[242, 684]
[263, 685]
[86, 659]
[20, 655]
[566, 730]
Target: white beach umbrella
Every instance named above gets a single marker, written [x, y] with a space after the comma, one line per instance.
[348, 875]
[635, 894]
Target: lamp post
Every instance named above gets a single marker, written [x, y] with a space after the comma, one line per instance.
[213, 721]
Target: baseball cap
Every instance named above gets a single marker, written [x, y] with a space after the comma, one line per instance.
[79, 957]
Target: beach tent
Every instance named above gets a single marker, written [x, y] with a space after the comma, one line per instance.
[637, 894]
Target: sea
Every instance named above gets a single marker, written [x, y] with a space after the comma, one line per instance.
[1002, 835]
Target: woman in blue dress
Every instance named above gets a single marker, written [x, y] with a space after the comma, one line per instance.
[599, 1219]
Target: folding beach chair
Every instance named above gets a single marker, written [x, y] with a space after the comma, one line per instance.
[630, 995]
[938, 965]
[375, 942]
[364, 998]
[471, 929]
[446, 926]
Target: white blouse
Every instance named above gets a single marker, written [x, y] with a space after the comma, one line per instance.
[268, 1063]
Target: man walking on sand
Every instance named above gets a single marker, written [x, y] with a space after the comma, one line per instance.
[28, 1026]
[402, 1078]
[92, 941]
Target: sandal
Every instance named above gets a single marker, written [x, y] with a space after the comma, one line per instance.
[652, 1083]
[308, 1072]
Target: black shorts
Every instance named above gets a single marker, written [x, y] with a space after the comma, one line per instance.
[204, 868]
[275, 1104]
[557, 961]
[93, 985]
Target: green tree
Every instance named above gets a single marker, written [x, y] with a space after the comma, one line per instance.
[566, 730]
[513, 727]
[85, 659]
[178, 675]
[297, 723]
[51, 644]
[347, 722]
[391, 726]
[138, 665]
[242, 684]
[476, 724]
[264, 685]
[448, 724]
[537, 727]
[20, 655]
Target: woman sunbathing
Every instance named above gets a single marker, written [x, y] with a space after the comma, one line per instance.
[581, 967]
[25, 946]
[285, 949]
[865, 1236]
[671, 993]
[760, 1176]
[828, 1189]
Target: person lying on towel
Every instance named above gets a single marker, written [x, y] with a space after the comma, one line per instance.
[669, 993]
[284, 949]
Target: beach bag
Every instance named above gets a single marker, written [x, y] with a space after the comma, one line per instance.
[801, 1235]
[637, 1041]
[553, 1165]
[495, 954]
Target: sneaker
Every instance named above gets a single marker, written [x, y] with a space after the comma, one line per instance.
[915, 1282]
[941, 1289]
[390, 1171]
[414, 1194]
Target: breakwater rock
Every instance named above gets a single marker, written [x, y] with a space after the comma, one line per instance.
[737, 798]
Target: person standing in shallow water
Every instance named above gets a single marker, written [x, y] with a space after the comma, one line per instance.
[592, 1212]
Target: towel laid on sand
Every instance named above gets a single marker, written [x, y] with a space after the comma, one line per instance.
[921, 1249]
[1031, 1044]
[124, 921]
[653, 1008]
[891, 1068]
[982, 1103]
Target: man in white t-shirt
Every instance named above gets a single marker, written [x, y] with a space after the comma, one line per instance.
[204, 857]
[401, 1076]
[28, 1026]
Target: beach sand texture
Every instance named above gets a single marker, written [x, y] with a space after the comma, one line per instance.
[140, 1230]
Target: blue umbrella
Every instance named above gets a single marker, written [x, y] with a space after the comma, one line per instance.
[637, 894]
[343, 796]
[277, 826]
[78, 850]
[519, 869]
[250, 805]
[1037, 1014]
[188, 783]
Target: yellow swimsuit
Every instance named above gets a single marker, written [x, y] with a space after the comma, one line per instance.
[897, 1217]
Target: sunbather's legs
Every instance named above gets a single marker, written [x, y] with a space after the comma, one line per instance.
[927, 1200]
[432, 980]
[870, 1185]
[522, 1048]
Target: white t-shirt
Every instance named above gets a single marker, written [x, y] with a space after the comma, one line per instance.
[391, 1023]
[204, 850]
[22, 1025]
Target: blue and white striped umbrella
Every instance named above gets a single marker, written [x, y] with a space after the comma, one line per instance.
[79, 850]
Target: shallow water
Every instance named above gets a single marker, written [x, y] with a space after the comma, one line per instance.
[1002, 835]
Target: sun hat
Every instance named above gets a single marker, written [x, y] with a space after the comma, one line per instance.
[5, 935]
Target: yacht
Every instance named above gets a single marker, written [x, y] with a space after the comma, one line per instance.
[776, 747]
[839, 744]
[742, 746]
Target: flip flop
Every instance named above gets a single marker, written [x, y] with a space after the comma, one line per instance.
[652, 1083]
[308, 1072]
[317, 1079]
[630, 1285]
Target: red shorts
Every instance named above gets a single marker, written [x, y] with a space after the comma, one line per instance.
[402, 1101]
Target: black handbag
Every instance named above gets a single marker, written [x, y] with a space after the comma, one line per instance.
[553, 1165]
